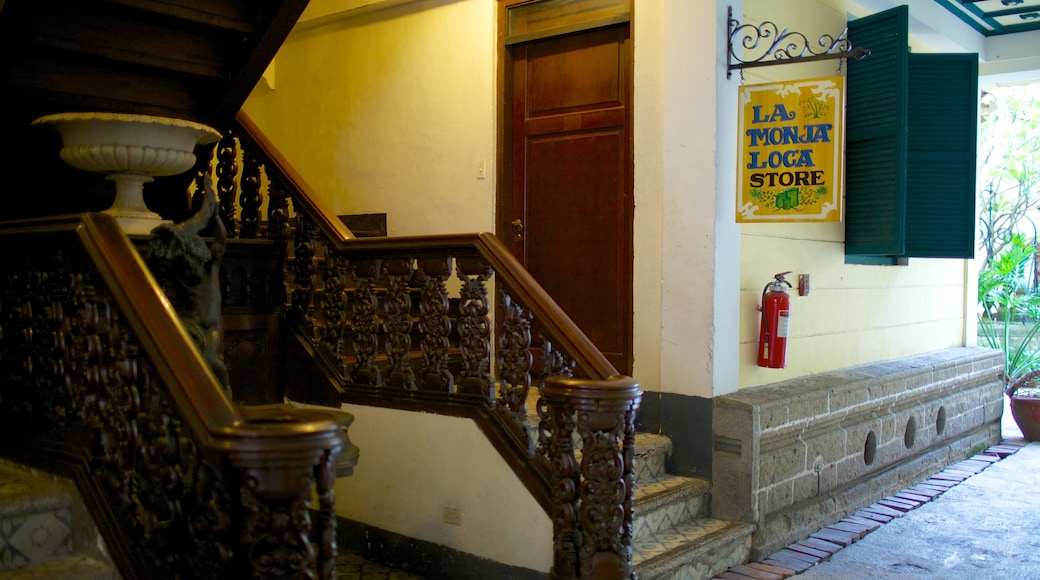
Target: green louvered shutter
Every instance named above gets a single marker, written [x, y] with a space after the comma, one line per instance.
[940, 207]
[876, 136]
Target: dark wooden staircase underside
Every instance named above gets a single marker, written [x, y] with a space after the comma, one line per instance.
[190, 59]
[195, 59]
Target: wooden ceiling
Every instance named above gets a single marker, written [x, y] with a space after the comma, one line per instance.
[191, 59]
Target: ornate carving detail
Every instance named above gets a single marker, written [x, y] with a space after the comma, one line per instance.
[256, 339]
[555, 362]
[180, 258]
[365, 323]
[277, 212]
[474, 328]
[398, 323]
[303, 269]
[251, 199]
[333, 305]
[227, 186]
[514, 358]
[555, 443]
[605, 420]
[603, 490]
[275, 532]
[162, 485]
[628, 457]
[325, 526]
[435, 326]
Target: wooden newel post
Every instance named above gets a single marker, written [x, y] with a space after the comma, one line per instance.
[276, 487]
[592, 522]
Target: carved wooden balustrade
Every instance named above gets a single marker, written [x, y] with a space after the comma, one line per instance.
[450, 324]
[99, 382]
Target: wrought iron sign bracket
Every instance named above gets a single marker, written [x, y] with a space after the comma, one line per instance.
[785, 47]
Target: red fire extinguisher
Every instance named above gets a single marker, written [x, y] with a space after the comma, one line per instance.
[772, 335]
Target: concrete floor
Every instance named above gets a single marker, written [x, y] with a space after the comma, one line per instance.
[988, 526]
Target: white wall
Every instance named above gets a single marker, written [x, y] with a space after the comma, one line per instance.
[686, 248]
[413, 465]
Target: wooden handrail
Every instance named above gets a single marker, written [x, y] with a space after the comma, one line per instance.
[589, 358]
[592, 539]
[279, 167]
[216, 421]
[109, 357]
[207, 409]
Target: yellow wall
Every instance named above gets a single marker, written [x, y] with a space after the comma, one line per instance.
[391, 111]
[853, 314]
[389, 107]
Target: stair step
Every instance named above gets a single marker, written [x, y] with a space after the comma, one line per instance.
[78, 567]
[35, 518]
[22, 492]
[40, 527]
[696, 550]
[672, 537]
[651, 452]
[666, 502]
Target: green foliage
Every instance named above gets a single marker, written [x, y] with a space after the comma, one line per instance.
[814, 108]
[1009, 164]
[1006, 296]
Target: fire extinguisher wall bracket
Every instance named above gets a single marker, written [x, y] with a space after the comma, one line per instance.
[773, 330]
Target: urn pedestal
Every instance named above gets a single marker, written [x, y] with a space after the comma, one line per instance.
[130, 150]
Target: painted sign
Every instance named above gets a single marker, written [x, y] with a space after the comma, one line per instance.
[791, 151]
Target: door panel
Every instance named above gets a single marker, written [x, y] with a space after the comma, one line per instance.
[573, 73]
[572, 179]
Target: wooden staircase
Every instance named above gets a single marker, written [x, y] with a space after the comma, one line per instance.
[45, 531]
[198, 60]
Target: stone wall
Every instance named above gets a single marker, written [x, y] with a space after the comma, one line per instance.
[797, 455]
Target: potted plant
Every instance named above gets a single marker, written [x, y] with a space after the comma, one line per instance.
[1025, 404]
[1006, 296]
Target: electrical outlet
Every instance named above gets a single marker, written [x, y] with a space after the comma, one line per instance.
[452, 516]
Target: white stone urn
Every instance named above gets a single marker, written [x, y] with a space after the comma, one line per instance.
[130, 150]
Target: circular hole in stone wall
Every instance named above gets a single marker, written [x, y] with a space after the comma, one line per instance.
[940, 420]
[869, 448]
[910, 435]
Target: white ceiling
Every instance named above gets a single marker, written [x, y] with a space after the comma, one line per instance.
[996, 17]
[1008, 45]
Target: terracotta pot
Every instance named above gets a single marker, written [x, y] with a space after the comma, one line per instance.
[1026, 411]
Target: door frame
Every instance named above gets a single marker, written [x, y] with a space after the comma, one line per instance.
[618, 13]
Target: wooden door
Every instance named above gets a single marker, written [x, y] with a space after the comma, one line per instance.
[571, 179]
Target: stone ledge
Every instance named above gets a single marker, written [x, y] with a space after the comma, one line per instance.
[780, 450]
